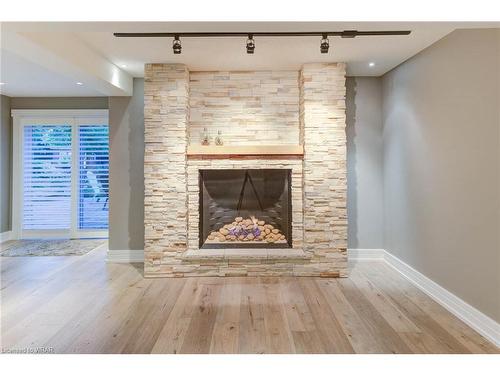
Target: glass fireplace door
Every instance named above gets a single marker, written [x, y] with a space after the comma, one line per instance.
[245, 208]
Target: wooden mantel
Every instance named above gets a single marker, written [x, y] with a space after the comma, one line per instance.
[235, 151]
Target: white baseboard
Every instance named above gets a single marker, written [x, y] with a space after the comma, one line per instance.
[365, 254]
[461, 309]
[483, 324]
[125, 256]
[6, 236]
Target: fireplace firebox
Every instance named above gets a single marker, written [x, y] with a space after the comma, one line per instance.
[245, 208]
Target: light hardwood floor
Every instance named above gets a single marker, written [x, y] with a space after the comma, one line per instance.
[81, 304]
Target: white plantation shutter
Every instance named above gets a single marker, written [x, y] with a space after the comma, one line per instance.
[60, 174]
[46, 177]
[93, 176]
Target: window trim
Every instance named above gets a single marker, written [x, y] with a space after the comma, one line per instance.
[75, 118]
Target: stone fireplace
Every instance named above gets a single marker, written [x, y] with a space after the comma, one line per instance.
[272, 199]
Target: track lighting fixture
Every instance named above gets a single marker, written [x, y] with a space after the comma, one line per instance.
[325, 44]
[176, 45]
[250, 44]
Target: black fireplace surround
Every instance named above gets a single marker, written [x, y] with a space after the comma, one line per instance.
[251, 208]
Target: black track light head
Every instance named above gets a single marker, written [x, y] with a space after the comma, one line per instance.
[250, 44]
[325, 44]
[176, 45]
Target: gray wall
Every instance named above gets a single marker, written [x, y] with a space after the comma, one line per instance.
[364, 162]
[442, 165]
[126, 205]
[5, 164]
[126, 117]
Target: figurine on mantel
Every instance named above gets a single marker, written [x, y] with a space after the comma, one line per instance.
[205, 139]
[218, 139]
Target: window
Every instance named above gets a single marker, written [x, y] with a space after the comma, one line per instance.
[61, 174]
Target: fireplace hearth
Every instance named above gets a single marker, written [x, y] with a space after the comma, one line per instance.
[245, 208]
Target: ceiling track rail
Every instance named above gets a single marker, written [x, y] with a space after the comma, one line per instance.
[341, 34]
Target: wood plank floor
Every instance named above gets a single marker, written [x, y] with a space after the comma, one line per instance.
[81, 304]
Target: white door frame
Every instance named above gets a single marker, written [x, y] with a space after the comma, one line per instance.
[74, 118]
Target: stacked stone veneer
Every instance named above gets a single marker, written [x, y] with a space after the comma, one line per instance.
[322, 113]
[259, 107]
[166, 114]
[319, 220]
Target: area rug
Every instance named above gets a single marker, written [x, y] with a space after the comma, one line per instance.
[24, 248]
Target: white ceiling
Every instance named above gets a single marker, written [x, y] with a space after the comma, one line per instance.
[127, 56]
[270, 53]
[25, 78]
